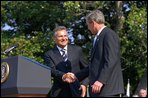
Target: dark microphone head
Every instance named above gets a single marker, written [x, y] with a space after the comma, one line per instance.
[16, 45]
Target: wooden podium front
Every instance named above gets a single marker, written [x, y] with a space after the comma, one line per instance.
[24, 77]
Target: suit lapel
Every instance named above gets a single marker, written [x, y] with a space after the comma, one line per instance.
[69, 52]
[58, 57]
[94, 48]
[57, 54]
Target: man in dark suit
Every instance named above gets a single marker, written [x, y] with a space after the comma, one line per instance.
[104, 71]
[62, 59]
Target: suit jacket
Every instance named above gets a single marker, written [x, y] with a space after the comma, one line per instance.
[58, 67]
[105, 65]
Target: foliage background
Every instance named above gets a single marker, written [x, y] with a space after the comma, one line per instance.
[33, 22]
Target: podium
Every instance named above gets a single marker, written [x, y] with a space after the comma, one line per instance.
[24, 77]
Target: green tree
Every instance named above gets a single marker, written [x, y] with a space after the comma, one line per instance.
[33, 22]
[134, 45]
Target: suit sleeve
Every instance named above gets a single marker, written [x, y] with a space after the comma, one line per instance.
[110, 55]
[54, 73]
[83, 66]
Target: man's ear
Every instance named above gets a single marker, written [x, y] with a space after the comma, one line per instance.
[93, 22]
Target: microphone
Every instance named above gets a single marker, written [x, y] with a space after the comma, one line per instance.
[10, 49]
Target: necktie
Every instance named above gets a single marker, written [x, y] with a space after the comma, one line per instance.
[64, 55]
[95, 39]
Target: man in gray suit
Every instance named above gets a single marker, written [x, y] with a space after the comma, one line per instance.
[104, 71]
[62, 59]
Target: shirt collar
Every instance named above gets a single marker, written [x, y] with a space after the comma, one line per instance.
[65, 48]
[100, 31]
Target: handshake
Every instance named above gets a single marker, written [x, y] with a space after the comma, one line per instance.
[69, 77]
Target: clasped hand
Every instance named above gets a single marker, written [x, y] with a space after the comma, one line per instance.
[69, 77]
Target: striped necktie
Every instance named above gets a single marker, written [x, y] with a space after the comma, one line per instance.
[64, 55]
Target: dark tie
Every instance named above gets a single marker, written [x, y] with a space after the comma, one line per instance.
[94, 41]
[64, 55]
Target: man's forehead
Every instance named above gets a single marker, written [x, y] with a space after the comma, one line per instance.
[61, 32]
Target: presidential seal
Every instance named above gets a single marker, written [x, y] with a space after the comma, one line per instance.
[4, 71]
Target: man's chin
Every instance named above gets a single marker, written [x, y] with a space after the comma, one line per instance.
[64, 44]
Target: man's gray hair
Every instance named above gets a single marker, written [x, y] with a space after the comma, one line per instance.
[58, 28]
[96, 16]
